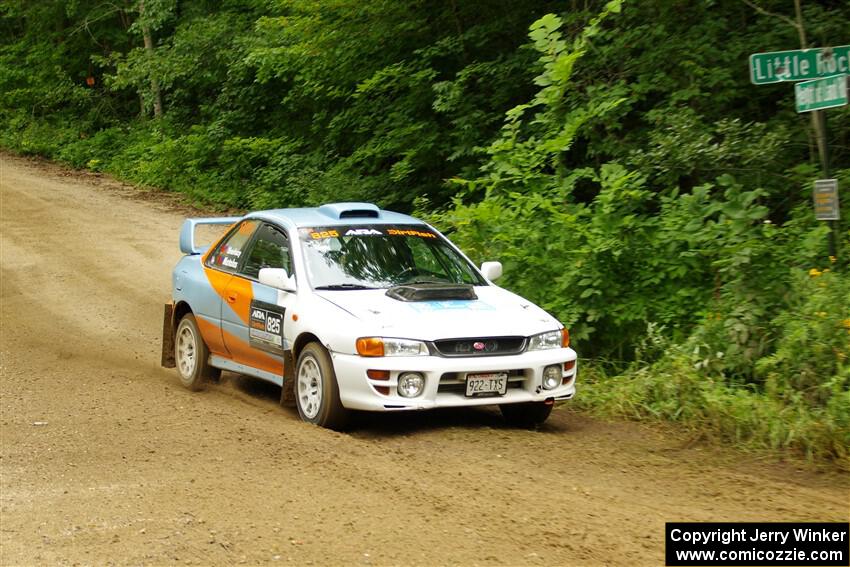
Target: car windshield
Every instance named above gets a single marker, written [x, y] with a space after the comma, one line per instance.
[381, 256]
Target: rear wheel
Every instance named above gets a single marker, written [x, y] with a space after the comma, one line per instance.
[528, 414]
[316, 389]
[191, 355]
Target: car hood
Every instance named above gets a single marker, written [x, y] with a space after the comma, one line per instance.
[496, 312]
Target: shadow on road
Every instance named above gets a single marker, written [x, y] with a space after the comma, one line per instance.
[252, 387]
[390, 424]
[403, 423]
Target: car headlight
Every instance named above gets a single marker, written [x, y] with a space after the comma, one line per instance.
[551, 376]
[550, 339]
[382, 346]
[410, 384]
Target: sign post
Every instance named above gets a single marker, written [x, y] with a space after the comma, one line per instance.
[821, 77]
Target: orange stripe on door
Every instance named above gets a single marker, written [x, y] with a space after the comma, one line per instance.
[211, 333]
[243, 353]
[238, 296]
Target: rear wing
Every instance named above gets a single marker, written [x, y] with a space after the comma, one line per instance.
[187, 232]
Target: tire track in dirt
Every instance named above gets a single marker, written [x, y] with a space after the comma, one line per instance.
[131, 469]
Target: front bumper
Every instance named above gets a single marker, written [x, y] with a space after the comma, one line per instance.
[444, 378]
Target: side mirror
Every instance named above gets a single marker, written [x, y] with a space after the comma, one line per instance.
[277, 278]
[491, 270]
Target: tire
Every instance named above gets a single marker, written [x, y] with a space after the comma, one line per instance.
[528, 414]
[191, 355]
[316, 389]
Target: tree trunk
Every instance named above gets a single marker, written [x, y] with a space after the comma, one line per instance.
[146, 34]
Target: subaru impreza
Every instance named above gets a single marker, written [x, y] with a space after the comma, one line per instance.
[349, 307]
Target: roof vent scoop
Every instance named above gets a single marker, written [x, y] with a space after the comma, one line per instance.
[351, 211]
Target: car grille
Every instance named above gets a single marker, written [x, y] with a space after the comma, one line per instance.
[481, 346]
[455, 382]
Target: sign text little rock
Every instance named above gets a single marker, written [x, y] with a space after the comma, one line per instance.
[799, 64]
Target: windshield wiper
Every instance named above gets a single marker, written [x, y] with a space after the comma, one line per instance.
[333, 287]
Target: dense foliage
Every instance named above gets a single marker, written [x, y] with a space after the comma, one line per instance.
[613, 156]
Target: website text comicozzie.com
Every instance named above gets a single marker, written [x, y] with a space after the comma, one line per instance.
[787, 543]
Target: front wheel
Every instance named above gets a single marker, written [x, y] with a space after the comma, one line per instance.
[191, 354]
[528, 414]
[316, 389]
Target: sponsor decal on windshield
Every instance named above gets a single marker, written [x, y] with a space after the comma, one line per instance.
[322, 233]
[411, 232]
[363, 232]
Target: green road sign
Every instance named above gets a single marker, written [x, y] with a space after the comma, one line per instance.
[821, 93]
[799, 64]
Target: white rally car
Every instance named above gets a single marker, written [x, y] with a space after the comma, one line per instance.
[350, 307]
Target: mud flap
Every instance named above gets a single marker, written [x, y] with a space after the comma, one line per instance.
[168, 337]
[287, 392]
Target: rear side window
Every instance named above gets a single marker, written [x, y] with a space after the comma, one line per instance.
[229, 253]
[270, 250]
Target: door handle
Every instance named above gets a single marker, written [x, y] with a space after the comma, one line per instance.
[231, 297]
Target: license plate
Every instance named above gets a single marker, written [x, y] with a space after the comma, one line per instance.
[493, 384]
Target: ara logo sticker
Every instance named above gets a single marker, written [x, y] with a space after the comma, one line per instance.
[265, 330]
[363, 232]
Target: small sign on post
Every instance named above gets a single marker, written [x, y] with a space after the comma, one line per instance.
[821, 93]
[826, 200]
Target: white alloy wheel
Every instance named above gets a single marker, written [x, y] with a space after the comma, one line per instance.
[186, 352]
[316, 389]
[191, 354]
[309, 387]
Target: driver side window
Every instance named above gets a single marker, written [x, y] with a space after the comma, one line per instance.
[270, 250]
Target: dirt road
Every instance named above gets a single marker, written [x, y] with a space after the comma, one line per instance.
[105, 459]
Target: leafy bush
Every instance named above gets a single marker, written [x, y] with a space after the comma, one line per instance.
[800, 399]
[810, 356]
[699, 298]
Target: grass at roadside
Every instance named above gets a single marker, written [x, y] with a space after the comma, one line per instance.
[713, 410]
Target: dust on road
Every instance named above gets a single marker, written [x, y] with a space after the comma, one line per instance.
[105, 459]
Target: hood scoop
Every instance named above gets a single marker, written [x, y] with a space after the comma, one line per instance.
[431, 292]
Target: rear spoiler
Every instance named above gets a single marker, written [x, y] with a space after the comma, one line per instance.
[187, 232]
